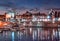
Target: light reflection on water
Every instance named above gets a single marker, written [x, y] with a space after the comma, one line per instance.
[35, 35]
[12, 36]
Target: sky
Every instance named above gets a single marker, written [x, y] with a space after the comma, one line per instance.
[24, 4]
[30, 3]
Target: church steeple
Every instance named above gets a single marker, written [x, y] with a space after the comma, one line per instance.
[51, 13]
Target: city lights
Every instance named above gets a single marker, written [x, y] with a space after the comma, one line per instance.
[29, 20]
[8, 16]
[38, 26]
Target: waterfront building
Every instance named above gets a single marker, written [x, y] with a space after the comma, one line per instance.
[10, 15]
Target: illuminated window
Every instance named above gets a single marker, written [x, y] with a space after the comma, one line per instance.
[12, 14]
[45, 20]
[48, 19]
[58, 19]
[34, 19]
[24, 23]
[48, 16]
[8, 16]
[24, 20]
[53, 20]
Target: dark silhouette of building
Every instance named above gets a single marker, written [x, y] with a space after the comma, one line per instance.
[56, 14]
[59, 14]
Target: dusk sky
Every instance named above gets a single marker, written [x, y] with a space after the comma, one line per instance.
[30, 3]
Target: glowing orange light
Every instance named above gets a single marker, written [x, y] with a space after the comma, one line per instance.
[5, 24]
[8, 16]
[1, 23]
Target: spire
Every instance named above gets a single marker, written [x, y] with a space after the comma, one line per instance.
[51, 12]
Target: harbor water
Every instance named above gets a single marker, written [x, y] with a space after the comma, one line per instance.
[31, 34]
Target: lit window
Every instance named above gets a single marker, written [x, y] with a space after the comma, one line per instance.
[58, 19]
[24, 20]
[8, 16]
[48, 19]
[34, 19]
[45, 20]
[12, 14]
[53, 20]
[41, 19]
[48, 16]
[24, 23]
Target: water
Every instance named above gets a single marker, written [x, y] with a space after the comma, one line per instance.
[12, 36]
[36, 34]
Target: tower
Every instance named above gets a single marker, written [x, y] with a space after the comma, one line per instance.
[52, 15]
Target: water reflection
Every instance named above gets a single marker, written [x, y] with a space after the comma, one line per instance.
[12, 36]
[34, 34]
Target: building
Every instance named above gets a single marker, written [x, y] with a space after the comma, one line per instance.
[2, 17]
